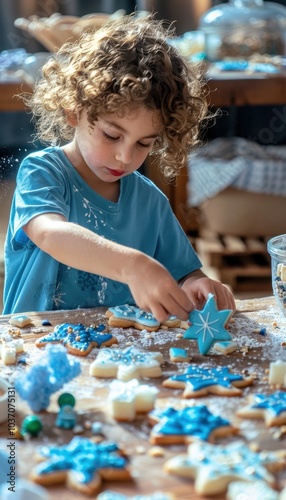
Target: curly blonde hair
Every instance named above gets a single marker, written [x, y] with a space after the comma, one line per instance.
[125, 64]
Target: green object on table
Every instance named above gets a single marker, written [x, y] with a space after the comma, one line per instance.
[31, 425]
[66, 399]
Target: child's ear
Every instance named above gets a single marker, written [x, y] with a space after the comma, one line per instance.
[71, 118]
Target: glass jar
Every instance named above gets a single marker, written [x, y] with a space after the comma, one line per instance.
[241, 28]
[276, 247]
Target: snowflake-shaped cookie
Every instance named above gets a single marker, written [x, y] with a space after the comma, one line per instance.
[214, 467]
[78, 339]
[207, 325]
[271, 407]
[186, 425]
[126, 364]
[81, 463]
[197, 381]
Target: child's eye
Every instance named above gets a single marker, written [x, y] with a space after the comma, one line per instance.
[142, 145]
[110, 137]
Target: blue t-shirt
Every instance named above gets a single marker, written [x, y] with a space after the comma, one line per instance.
[142, 219]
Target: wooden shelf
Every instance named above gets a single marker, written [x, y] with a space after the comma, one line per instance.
[9, 100]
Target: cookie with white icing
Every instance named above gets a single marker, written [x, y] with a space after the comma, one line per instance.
[20, 320]
[214, 467]
[126, 364]
[259, 490]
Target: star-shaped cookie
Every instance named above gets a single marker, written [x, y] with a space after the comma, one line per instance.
[271, 407]
[126, 364]
[208, 325]
[82, 464]
[78, 339]
[214, 467]
[197, 381]
[186, 425]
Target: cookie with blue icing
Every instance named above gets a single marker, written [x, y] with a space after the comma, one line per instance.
[214, 467]
[179, 355]
[187, 425]
[270, 407]
[78, 339]
[198, 381]
[128, 316]
[207, 326]
[81, 464]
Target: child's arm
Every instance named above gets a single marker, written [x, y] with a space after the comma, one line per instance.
[197, 287]
[151, 285]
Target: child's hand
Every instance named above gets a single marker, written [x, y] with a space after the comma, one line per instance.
[197, 287]
[156, 291]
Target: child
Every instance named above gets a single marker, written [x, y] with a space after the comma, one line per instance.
[86, 229]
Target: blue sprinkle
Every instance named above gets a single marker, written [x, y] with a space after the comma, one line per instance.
[262, 331]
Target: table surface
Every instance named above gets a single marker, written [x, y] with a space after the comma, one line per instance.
[91, 394]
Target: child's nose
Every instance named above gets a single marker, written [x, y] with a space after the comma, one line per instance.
[124, 154]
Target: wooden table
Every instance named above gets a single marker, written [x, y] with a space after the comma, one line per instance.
[91, 394]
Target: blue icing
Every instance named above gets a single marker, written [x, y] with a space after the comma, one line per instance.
[178, 351]
[274, 403]
[198, 377]
[133, 313]
[83, 457]
[77, 336]
[195, 421]
[207, 325]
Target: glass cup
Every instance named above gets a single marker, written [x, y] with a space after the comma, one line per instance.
[276, 247]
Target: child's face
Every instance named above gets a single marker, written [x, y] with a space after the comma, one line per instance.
[115, 147]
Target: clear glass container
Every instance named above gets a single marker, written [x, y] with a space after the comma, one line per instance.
[276, 247]
[241, 28]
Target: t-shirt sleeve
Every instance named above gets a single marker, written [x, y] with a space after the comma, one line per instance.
[40, 189]
[174, 249]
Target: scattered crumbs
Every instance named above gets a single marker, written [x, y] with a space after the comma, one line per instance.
[38, 330]
[78, 429]
[140, 450]
[148, 335]
[156, 451]
[179, 336]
